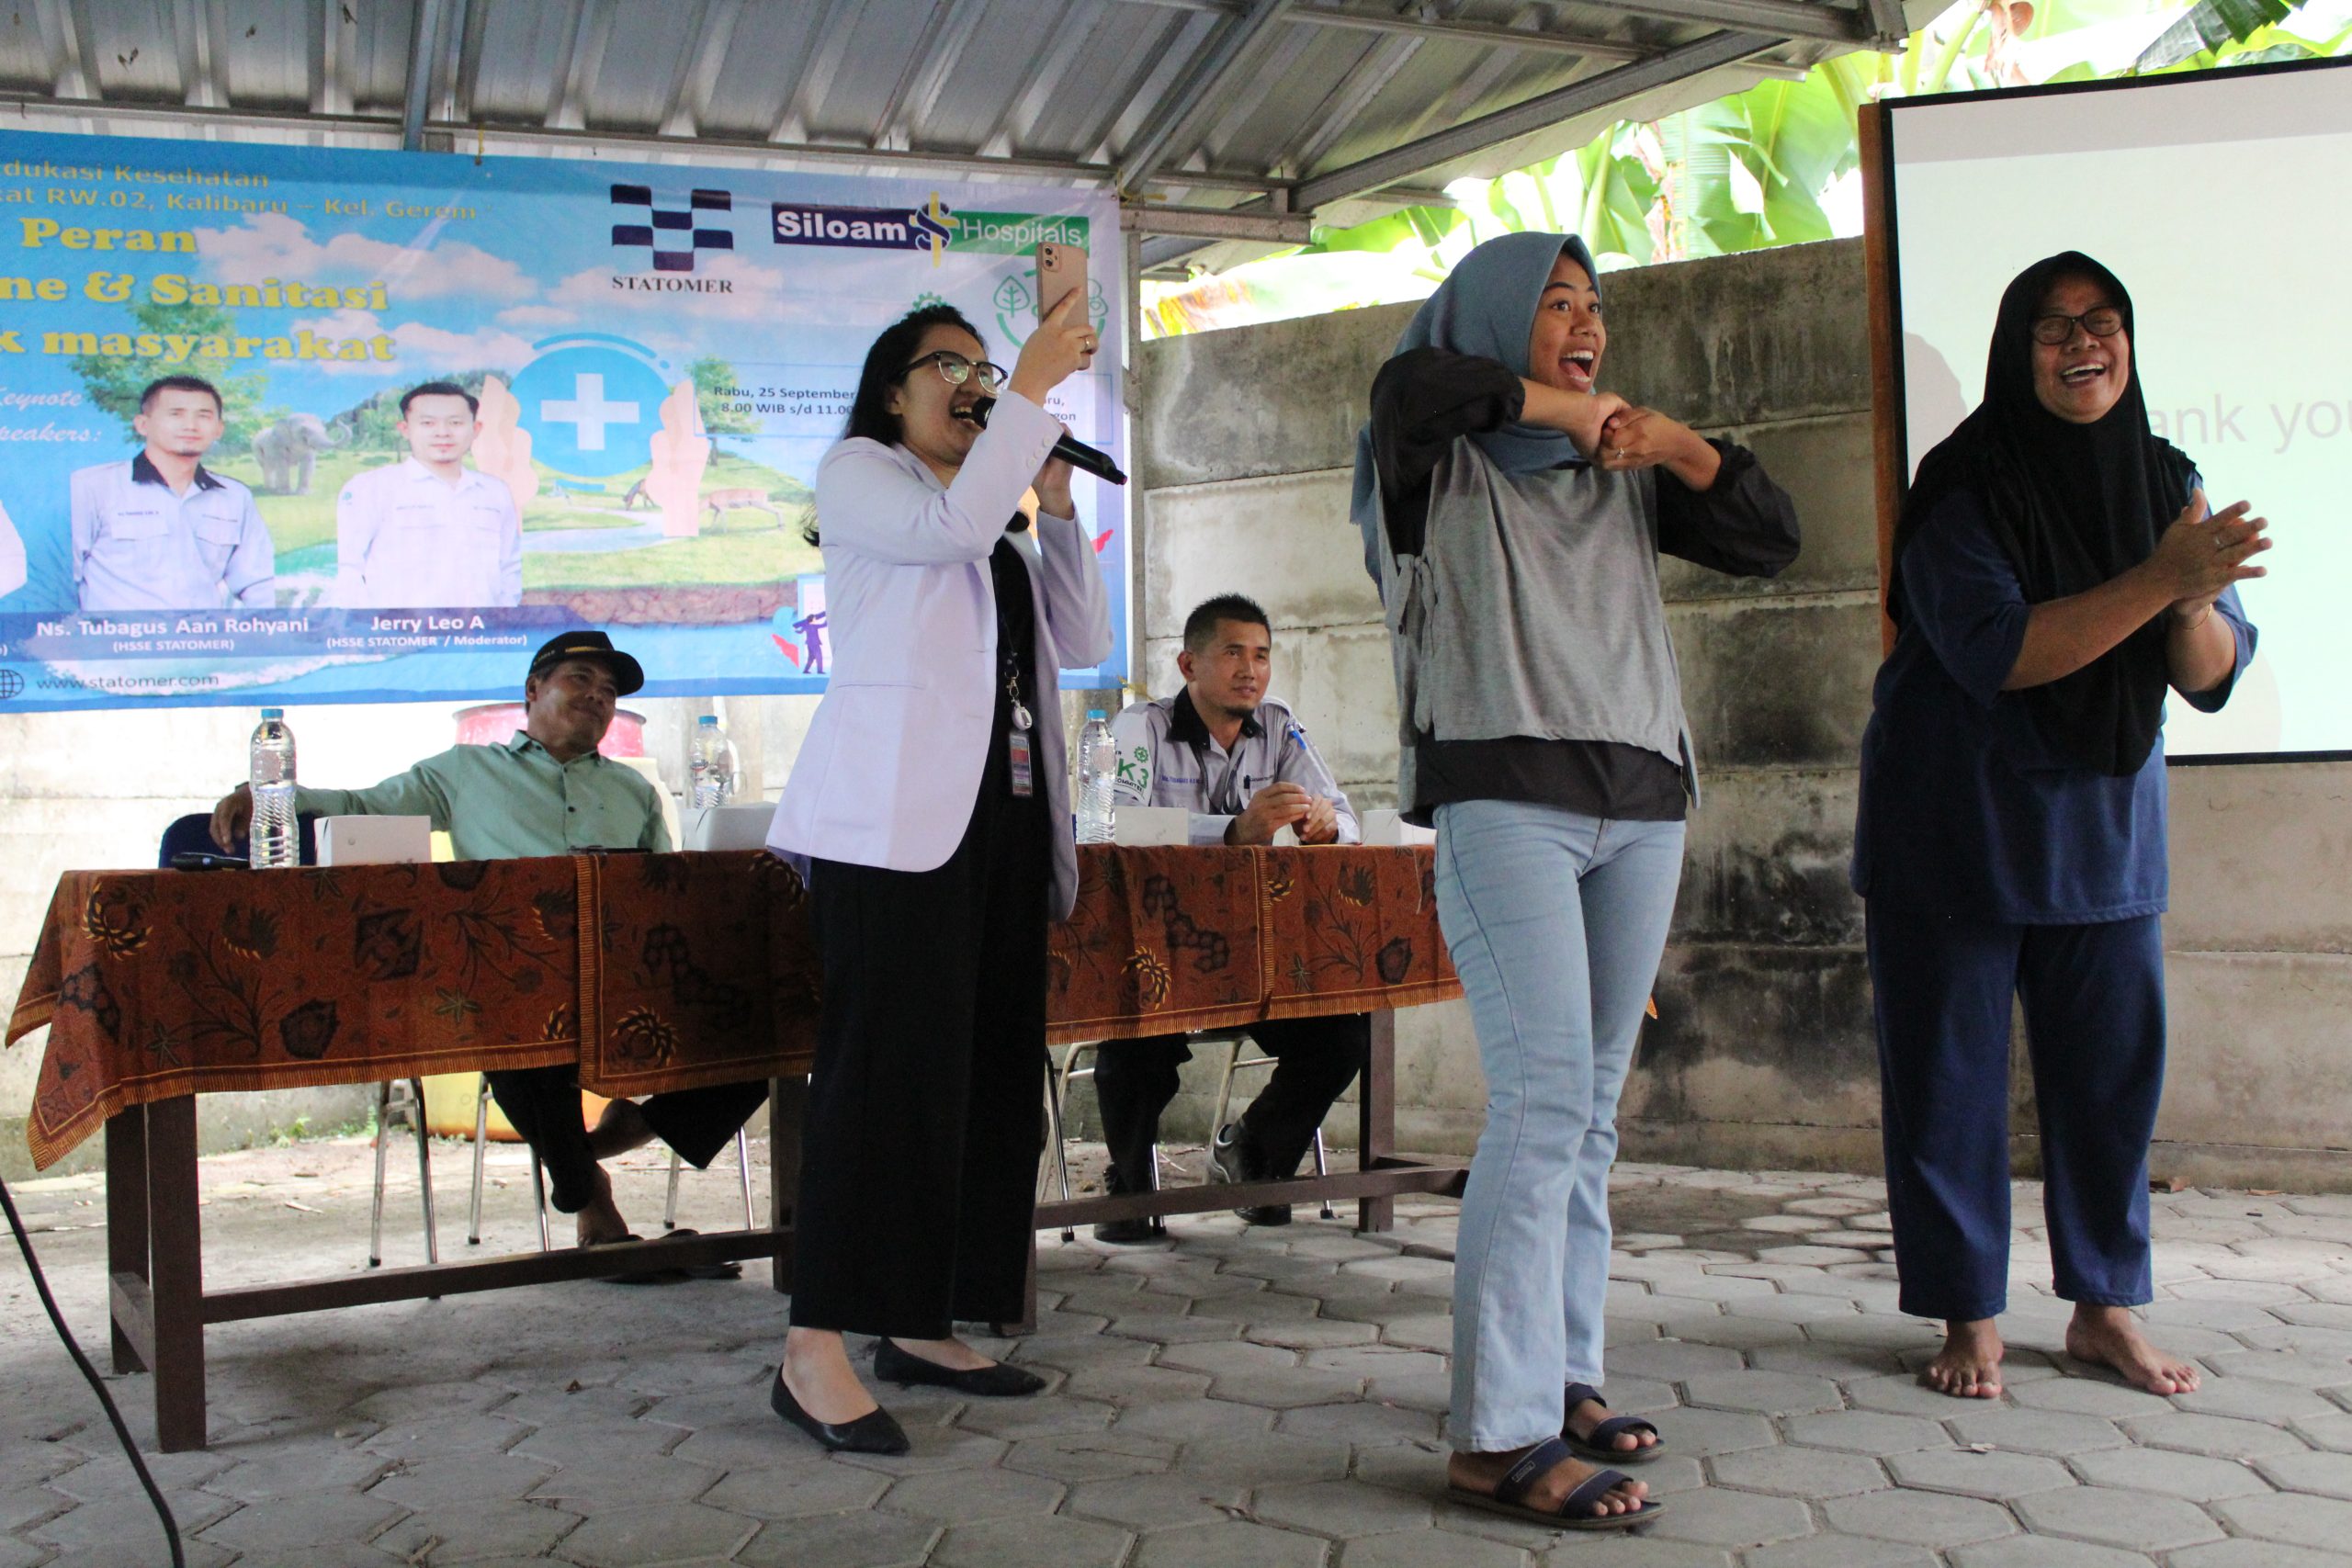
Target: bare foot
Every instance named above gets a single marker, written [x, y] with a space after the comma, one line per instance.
[1591, 1413]
[816, 1369]
[600, 1222]
[953, 1354]
[1483, 1473]
[2108, 1337]
[619, 1128]
[1969, 1366]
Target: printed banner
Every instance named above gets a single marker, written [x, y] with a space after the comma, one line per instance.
[618, 380]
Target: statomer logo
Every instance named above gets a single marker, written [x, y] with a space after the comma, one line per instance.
[932, 227]
[672, 232]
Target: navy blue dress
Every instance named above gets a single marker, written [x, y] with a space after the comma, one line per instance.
[1990, 870]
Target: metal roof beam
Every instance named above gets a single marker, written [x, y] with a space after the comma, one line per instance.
[1019, 113]
[423, 49]
[1486, 34]
[1068, 169]
[466, 50]
[916, 59]
[1536, 114]
[68, 75]
[820, 61]
[1254, 223]
[1891, 24]
[1225, 51]
[194, 42]
[1339, 112]
[1784, 18]
[323, 54]
[584, 57]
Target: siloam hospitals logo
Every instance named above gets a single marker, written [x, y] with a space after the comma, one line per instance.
[932, 227]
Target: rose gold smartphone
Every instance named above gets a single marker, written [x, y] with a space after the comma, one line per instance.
[1061, 270]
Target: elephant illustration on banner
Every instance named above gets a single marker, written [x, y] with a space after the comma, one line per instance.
[288, 451]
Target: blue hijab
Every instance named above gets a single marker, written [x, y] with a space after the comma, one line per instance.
[1486, 307]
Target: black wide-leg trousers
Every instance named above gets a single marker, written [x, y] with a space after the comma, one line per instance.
[919, 1157]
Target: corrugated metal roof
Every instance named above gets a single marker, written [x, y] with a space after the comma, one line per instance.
[1263, 110]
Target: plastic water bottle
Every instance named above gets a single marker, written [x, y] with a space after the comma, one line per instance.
[1098, 767]
[273, 838]
[713, 761]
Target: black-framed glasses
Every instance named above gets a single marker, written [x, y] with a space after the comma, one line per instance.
[954, 369]
[2057, 326]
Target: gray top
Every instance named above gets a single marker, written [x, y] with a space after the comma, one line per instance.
[1534, 610]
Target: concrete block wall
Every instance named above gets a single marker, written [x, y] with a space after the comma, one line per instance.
[1763, 1052]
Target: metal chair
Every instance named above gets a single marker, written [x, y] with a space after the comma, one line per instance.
[743, 1168]
[1233, 1064]
[539, 1183]
[482, 1142]
[1056, 1090]
[407, 1097]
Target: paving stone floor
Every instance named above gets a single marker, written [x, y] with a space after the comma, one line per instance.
[1236, 1397]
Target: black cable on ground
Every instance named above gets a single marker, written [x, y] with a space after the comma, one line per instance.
[97, 1385]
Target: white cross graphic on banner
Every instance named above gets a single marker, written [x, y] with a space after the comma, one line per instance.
[587, 410]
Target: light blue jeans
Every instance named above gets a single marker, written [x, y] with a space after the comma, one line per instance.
[1556, 922]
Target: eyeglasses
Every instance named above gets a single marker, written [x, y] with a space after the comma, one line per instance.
[954, 369]
[2057, 327]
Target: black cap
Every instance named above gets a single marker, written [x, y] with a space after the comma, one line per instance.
[628, 674]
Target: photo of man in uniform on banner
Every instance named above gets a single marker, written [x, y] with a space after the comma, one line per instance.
[162, 531]
[429, 531]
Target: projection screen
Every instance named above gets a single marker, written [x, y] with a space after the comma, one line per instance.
[2219, 198]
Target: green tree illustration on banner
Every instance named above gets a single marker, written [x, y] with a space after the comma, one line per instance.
[114, 384]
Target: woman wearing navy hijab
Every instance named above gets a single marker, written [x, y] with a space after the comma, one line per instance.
[1514, 515]
[2053, 573]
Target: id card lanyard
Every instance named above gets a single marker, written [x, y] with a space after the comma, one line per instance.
[1017, 733]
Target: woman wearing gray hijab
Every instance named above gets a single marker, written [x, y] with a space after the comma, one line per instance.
[1514, 514]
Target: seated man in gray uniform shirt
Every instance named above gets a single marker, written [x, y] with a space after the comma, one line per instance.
[1239, 762]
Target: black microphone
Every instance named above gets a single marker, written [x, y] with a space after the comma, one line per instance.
[1070, 448]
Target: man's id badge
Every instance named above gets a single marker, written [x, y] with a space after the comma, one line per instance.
[1023, 783]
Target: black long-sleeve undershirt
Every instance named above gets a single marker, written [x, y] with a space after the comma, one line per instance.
[1423, 401]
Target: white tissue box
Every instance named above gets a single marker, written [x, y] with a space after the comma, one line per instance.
[374, 840]
[739, 826]
[1139, 825]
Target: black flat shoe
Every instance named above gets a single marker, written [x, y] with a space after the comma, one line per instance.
[894, 1365]
[876, 1432]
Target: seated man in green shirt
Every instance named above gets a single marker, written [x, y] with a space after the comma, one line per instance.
[550, 791]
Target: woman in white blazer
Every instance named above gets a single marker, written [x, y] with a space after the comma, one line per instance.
[930, 812]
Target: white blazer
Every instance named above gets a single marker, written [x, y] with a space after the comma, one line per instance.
[891, 767]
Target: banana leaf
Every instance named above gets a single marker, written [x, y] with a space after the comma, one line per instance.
[2208, 25]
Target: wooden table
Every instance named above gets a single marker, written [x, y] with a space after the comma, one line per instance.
[651, 972]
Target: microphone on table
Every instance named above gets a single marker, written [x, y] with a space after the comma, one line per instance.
[1070, 448]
